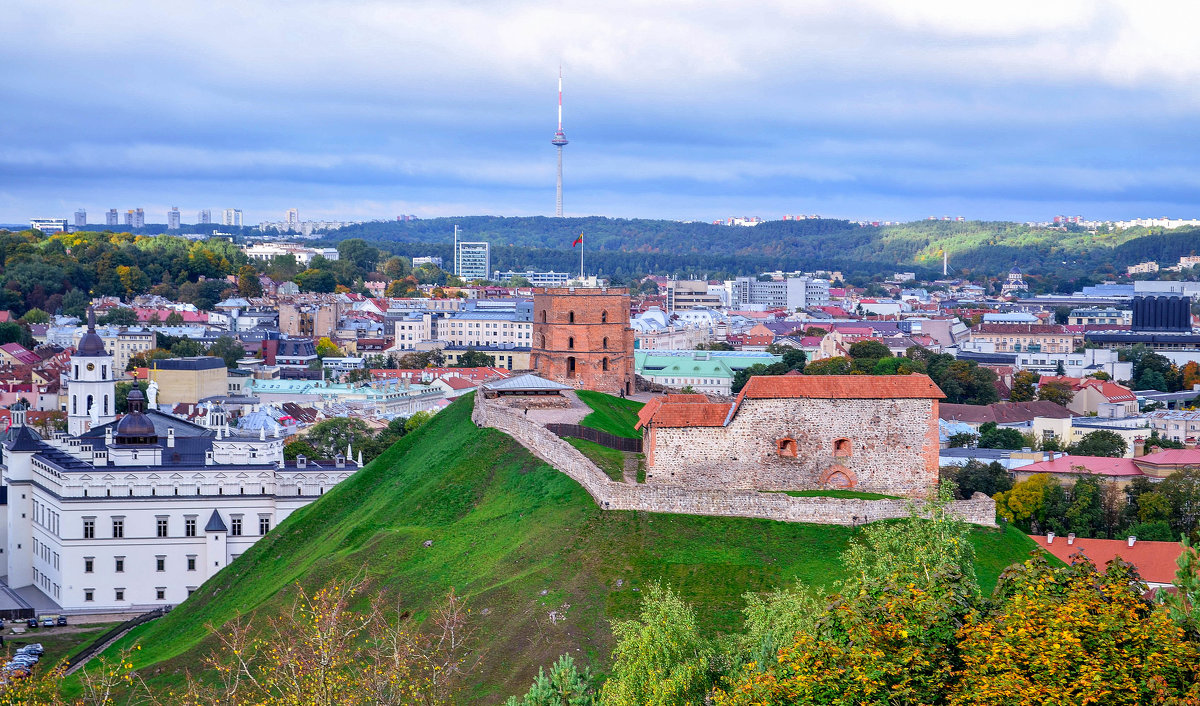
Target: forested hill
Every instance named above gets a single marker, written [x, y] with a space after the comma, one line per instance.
[625, 246]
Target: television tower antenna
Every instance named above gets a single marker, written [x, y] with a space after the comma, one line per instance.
[558, 141]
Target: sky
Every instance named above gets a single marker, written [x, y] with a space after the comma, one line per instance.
[347, 110]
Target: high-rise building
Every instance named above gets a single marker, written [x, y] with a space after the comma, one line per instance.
[205, 216]
[110, 219]
[231, 217]
[80, 218]
[129, 217]
[139, 218]
[173, 218]
[293, 219]
[474, 260]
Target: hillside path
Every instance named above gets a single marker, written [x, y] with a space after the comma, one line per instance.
[629, 471]
[568, 415]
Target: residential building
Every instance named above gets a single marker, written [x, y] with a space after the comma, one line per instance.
[536, 279]
[690, 294]
[266, 252]
[121, 344]
[1092, 316]
[292, 219]
[1155, 561]
[81, 218]
[792, 293]
[1096, 397]
[428, 260]
[1142, 268]
[1176, 425]
[173, 218]
[473, 260]
[48, 225]
[204, 216]
[507, 356]
[708, 372]
[110, 218]
[231, 217]
[1030, 338]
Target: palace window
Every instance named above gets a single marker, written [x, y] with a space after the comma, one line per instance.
[89, 528]
[160, 563]
[89, 564]
[119, 564]
[235, 526]
[118, 528]
[162, 527]
[189, 526]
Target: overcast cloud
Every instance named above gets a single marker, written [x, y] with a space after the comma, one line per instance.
[698, 110]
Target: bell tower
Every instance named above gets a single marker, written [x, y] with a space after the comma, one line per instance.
[91, 383]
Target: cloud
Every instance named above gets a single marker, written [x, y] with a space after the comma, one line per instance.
[846, 102]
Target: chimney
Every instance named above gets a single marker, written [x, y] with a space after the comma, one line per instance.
[1131, 540]
[301, 462]
[1139, 447]
[1070, 538]
[108, 435]
[1049, 538]
[339, 461]
[170, 437]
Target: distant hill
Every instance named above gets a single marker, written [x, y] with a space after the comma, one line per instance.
[520, 540]
[627, 246]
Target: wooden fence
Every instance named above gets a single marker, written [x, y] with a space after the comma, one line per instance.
[603, 438]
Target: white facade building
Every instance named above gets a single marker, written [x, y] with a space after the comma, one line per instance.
[473, 260]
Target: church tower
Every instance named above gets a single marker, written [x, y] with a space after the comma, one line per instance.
[92, 383]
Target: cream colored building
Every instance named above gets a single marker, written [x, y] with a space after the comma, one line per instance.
[121, 344]
[189, 380]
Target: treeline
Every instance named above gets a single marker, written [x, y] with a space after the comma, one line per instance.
[1053, 260]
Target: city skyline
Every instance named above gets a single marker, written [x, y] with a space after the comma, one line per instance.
[860, 110]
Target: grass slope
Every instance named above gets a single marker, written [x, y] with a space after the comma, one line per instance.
[611, 461]
[614, 415]
[506, 529]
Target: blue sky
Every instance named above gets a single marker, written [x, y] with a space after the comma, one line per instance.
[870, 109]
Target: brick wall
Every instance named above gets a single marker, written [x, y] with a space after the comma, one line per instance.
[611, 495]
[891, 447]
[581, 337]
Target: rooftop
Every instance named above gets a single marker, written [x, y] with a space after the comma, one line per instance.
[1155, 561]
[842, 387]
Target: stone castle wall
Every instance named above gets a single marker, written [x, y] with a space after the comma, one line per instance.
[888, 446]
[611, 495]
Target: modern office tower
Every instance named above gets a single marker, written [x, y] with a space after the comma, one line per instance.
[474, 260]
[205, 216]
[110, 218]
[80, 218]
[293, 219]
[231, 217]
[173, 218]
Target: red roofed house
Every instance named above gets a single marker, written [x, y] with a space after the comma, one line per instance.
[1155, 561]
[1098, 397]
[798, 432]
[17, 354]
[1120, 470]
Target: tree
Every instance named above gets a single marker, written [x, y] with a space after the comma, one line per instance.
[660, 659]
[1184, 605]
[1023, 386]
[564, 686]
[1100, 443]
[474, 359]
[837, 365]
[228, 349]
[313, 280]
[1073, 635]
[1026, 500]
[74, 303]
[356, 251]
[416, 421]
[327, 348]
[331, 437]
[248, 284]
[868, 350]
[300, 448]
[963, 439]
[978, 477]
[118, 316]
[992, 436]
[35, 316]
[1058, 392]
[396, 267]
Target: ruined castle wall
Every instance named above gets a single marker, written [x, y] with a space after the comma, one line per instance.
[611, 495]
[890, 446]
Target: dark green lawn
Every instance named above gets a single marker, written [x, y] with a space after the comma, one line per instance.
[611, 461]
[614, 415]
[518, 539]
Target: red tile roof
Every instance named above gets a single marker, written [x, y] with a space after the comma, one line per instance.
[689, 414]
[1171, 457]
[1155, 561]
[842, 387]
[1042, 329]
[1096, 465]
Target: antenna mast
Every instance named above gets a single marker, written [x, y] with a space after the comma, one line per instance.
[559, 139]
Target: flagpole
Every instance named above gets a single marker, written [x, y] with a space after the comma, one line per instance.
[582, 245]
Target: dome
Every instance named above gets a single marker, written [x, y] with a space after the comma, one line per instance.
[91, 344]
[135, 427]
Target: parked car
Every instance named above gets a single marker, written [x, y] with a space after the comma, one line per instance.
[48, 621]
[31, 623]
[62, 620]
[34, 647]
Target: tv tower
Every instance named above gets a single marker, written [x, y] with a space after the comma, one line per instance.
[558, 141]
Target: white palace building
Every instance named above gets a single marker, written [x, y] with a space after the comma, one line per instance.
[130, 514]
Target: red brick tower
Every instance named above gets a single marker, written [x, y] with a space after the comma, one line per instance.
[581, 338]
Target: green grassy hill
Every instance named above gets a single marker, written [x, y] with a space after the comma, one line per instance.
[519, 539]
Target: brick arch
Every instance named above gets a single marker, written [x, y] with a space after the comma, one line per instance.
[838, 476]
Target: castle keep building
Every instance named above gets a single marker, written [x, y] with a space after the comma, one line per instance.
[582, 338]
[796, 432]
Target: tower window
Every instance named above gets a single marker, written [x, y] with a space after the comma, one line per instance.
[571, 317]
[606, 342]
[604, 317]
[604, 365]
[841, 447]
[786, 447]
[570, 342]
